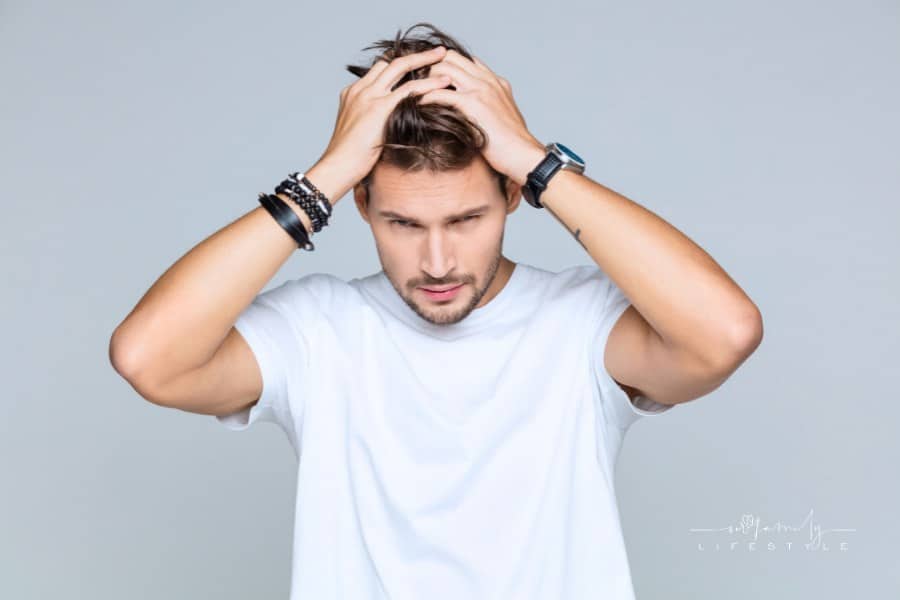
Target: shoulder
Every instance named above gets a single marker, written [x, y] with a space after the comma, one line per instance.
[323, 286]
[310, 291]
[579, 282]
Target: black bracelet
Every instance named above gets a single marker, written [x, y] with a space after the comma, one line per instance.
[308, 197]
[318, 196]
[288, 219]
[305, 202]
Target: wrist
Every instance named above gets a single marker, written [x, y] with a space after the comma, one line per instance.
[530, 158]
[329, 178]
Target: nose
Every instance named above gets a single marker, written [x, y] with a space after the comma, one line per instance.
[438, 255]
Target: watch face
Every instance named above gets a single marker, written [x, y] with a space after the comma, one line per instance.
[570, 154]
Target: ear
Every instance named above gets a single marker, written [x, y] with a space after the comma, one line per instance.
[361, 199]
[513, 195]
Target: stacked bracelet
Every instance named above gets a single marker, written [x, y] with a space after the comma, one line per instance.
[308, 197]
[287, 218]
[305, 195]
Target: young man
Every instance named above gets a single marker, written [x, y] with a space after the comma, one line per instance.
[456, 415]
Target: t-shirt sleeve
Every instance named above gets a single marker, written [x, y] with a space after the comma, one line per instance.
[610, 303]
[271, 326]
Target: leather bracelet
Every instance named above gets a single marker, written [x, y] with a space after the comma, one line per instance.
[288, 219]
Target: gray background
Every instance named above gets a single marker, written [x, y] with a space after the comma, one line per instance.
[765, 131]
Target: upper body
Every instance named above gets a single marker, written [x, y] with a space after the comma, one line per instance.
[458, 444]
[469, 460]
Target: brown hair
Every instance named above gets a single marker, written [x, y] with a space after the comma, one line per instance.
[433, 136]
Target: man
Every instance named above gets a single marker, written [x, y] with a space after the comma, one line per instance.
[457, 415]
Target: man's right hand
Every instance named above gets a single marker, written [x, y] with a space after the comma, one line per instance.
[364, 108]
[178, 347]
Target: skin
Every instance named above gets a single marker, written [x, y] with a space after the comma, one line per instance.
[688, 328]
[436, 229]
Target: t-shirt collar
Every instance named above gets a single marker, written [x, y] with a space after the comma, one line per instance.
[475, 321]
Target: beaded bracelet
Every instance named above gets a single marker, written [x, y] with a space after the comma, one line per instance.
[305, 202]
[308, 197]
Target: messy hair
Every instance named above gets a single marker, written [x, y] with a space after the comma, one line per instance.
[432, 136]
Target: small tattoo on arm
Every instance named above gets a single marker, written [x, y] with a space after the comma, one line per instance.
[577, 233]
[577, 236]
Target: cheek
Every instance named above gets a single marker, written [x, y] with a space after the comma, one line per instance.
[488, 234]
[396, 253]
[391, 244]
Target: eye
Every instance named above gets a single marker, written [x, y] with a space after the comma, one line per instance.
[402, 223]
[469, 218]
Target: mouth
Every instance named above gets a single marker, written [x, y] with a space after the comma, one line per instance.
[442, 293]
[440, 289]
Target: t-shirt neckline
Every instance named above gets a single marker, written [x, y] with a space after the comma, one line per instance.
[474, 321]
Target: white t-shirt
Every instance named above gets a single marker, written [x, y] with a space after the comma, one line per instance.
[472, 460]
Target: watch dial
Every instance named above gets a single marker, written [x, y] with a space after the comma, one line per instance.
[569, 153]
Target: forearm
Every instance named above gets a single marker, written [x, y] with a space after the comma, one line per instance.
[184, 317]
[688, 299]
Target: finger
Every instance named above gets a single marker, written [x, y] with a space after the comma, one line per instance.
[461, 79]
[372, 74]
[443, 96]
[420, 86]
[475, 69]
[379, 66]
[389, 77]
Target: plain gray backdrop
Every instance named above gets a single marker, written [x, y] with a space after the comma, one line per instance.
[765, 131]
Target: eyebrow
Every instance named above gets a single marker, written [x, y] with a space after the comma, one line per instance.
[389, 214]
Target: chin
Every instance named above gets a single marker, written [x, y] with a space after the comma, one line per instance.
[449, 313]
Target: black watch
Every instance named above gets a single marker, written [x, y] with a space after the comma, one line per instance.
[558, 157]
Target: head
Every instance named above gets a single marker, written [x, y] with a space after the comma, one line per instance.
[436, 208]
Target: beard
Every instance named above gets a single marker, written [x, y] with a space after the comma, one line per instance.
[444, 315]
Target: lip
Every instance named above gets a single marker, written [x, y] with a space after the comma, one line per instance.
[431, 289]
[442, 293]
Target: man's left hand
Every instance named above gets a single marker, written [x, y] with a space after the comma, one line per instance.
[486, 99]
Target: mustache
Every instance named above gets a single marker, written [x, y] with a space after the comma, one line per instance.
[442, 283]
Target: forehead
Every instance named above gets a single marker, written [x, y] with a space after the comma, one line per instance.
[425, 192]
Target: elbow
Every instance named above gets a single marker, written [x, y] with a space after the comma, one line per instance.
[119, 357]
[747, 331]
[124, 355]
[127, 362]
[742, 337]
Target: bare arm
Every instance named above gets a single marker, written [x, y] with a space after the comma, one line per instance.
[690, 327]
[178, 347]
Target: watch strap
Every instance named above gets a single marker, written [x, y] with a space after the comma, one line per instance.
[546, 168]
[539, 177]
